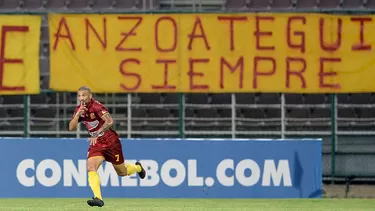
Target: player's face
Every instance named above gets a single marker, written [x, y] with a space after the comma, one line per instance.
[84, 97]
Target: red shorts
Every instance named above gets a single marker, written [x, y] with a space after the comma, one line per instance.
[112, 153]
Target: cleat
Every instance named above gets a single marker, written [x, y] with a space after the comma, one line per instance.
[95, 202]
[141, 174]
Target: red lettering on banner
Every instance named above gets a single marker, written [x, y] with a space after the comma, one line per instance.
[297, 73]
[103, 40]
[361, 46]
[231, 27]
[259, 33]
[4, 60]
[239, 65]
[330, 47]
[156, 29]
[193, 74]
[256, 71]
[126, 35]
[59, 34]
[165, 86]
[130, 74]
[193, 35]
[301, 34]
[323, 74]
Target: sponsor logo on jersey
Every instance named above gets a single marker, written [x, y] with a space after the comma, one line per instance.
[91, 125]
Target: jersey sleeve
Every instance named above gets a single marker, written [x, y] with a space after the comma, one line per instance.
[75, 111]
[101, 110]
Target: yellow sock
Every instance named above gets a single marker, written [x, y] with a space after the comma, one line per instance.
[132, 168]
[94, 182]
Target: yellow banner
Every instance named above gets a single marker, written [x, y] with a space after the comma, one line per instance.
[19, 54]
[301, 53]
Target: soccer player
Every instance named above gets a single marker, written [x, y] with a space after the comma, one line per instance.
[105, 144]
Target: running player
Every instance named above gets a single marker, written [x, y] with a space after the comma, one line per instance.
[105, 144]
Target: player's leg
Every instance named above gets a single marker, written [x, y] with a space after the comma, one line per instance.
[129, 169]
[115, 155]
[93, 163]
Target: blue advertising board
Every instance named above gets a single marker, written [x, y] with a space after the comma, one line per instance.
[186, 168]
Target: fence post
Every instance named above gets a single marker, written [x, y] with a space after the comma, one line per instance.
[233, 109]
[129, 119]
[333, 136]
[181, 111]
[26, 116]
[282, 115]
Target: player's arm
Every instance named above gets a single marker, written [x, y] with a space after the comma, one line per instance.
[74, 122]
[108, 120]
[76, 118]
[108, 123]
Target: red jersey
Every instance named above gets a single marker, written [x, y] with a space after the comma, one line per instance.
[93, 121]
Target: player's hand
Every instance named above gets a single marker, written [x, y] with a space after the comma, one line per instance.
[93, 140]
[82, 109]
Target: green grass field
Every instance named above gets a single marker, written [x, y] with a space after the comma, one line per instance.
[190, 204]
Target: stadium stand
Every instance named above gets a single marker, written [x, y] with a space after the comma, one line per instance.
[203, 115]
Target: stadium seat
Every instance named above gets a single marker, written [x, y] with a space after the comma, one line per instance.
[268, 99]
[329, 3]
[366, 113]
[138, 112]
[100, 4]
[225, 113]
[189, 112]
[221, 99]
[44, 70]
[58, 98]
[316, 99]
[10, 4]
[300, 113]
[306, 4]
[245, 98]
[44, 82]
[44, 50]
[158, 113]
[369, 3]
[16, 112]
[347, 113]
[129, 4]
[56, 4]
[3, 113]
[74, 4]
[259, 4]
[13, 99]
[44, 119]
[294, 99]
[38, 99]
[285, 4]
[148, 4]
[237, 4]
[206, 113]
[44, 112]
[32, 4]
[363, 98]
[353, 4]
[252, 113]
[150, 98]
[273, 113]
[320, 113]
[171, 99]
[188, 4]
[196, 98]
